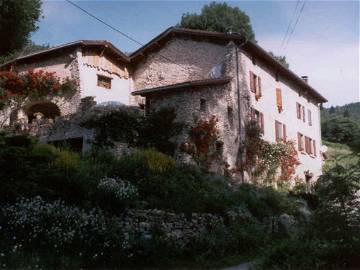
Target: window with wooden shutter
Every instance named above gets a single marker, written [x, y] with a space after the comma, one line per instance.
[280, 131]
[309, 118]
[303, 113]
[300, 142]
[257, 117]
[258, 88]
[279, 99]
[298, 110]
[252, 82]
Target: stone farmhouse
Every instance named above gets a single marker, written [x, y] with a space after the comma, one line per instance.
[200, 74]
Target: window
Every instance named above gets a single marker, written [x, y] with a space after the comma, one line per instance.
[300, 142]
[104, 81]
[303, 113]
[309, 118]
[202, 105]
[255, 85]
[253, 82]
[279, 99]
[300, 111]
[280, 131]
[314, 148]
[230, 117]
[308, 145]
[258, 117]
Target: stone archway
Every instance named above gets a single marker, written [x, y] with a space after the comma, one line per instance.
[47, 110]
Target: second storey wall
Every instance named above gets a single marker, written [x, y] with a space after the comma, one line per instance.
[267, 104]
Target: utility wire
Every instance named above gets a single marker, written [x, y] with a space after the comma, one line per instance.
[117, 30]
[290, 23]
[297, 20]
[129, 37]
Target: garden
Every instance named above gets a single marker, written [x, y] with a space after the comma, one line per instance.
[60, 209]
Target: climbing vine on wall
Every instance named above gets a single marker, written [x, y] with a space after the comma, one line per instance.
[17, 86]
[203, 142]
[265, 160]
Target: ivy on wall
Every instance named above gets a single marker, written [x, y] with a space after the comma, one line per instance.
[268, 162]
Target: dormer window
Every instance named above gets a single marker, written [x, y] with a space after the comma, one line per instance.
[104, 81]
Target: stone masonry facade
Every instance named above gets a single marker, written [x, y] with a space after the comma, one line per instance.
[180, 56]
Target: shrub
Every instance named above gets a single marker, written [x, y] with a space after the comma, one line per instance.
[123, 124]
[116, 193]
[35, 225]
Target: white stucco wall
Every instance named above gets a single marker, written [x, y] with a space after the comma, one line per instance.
[120, 87]
[290, 96]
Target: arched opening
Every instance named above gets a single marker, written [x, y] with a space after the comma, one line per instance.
[46, 110]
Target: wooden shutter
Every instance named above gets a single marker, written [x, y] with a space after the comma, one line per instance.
[298, 110]
[262, 123]
[303, 113]
[252, 81]
[258, 92]
[279, 99]
[314, 146]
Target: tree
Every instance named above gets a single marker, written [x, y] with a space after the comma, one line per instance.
[219, 17]
[29, 48]
[280, 59]
[17, 20]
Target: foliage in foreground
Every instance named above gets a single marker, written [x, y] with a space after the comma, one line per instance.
[331, 240]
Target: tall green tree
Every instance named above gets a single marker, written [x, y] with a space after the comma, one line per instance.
[219, 17]
[17, 20]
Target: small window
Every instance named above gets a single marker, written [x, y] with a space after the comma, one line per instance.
[298, 110]
[309, 146]
[202, 105]
[300, 142]
[309, 118]
[230, 117]
[104, 81]
[280, 131]
[279, 100]
[253, 82]
[258, 117]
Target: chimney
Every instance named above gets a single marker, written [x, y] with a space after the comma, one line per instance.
[305, 78]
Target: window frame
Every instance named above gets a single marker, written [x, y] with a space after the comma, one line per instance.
[100, 78]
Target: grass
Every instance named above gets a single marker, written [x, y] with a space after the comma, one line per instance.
[338, 153]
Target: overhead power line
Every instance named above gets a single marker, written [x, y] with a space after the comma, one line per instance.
[290, 23]
[117, 30]
[297, 20]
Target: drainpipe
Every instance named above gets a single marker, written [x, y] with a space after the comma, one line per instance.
[239, 111]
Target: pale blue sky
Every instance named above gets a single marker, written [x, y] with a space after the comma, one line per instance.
[324, 45]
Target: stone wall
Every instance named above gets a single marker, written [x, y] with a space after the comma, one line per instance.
[178, 228]
[190, 60]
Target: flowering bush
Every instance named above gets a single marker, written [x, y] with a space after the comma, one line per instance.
[15, 86]
[264, 158]
[202, 141]
[55, 227]
[119, 189]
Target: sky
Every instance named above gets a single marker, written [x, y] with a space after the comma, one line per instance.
[324, 44]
